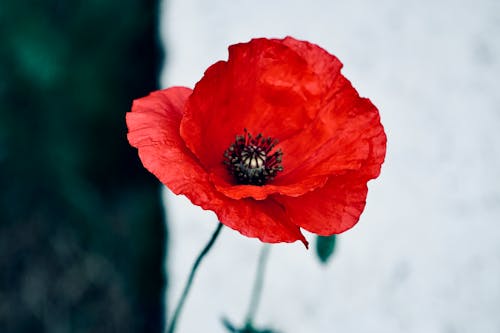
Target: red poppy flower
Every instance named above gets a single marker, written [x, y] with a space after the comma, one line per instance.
[272, 140]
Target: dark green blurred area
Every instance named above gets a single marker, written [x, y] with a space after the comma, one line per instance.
[81, 232]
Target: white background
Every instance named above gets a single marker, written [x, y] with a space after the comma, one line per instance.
[425, 256]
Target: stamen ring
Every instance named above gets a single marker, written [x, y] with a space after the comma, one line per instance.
[250, 161]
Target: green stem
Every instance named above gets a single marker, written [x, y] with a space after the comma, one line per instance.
[189, 282]
[257, 285]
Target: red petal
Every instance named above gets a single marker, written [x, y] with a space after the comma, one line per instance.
[337, 206]
[262, 192]
[154, 129]
[324, 64]
[292, 91]
[266, 86]
[265, 220]
[337, 141]
[332, 209]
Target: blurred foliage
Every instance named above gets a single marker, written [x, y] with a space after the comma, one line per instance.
[325, 246]
[248, 328]
[81, 232]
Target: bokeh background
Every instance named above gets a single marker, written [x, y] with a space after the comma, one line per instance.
[81, 231]
[425, 256]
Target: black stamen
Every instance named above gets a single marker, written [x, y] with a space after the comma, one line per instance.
[249, 160]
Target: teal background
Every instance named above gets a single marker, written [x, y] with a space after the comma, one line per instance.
[81, 232]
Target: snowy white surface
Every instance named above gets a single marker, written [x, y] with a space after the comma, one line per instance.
[425, 256]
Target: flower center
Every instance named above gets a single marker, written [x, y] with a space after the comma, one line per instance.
[250, 161]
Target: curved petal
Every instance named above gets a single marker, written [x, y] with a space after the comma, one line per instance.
[324, 64]
[262, 192]
[373, 164]
[290, 90]
[338, 141]
[333, 209]
[153, 128]
[265, 220]
[346, 136]
[267, 86]
[337, 206]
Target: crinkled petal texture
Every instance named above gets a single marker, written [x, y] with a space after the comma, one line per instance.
[153, 128]
[332, 139]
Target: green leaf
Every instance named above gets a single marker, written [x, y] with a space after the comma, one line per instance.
[248, 328]
[325, 246]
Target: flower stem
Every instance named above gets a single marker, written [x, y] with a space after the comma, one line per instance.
[257, 285]
[189, 282]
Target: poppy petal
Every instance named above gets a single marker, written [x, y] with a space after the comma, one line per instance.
[332, 209]
[154, 129]
[265, 86]
[337, 206]
[265, 220]
[262, 192]
[325, 65]
[331, 140]
[333, 144]
[338, 140]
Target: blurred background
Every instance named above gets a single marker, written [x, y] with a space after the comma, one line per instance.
[425, 256]
[81, 231]
[82, 238]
